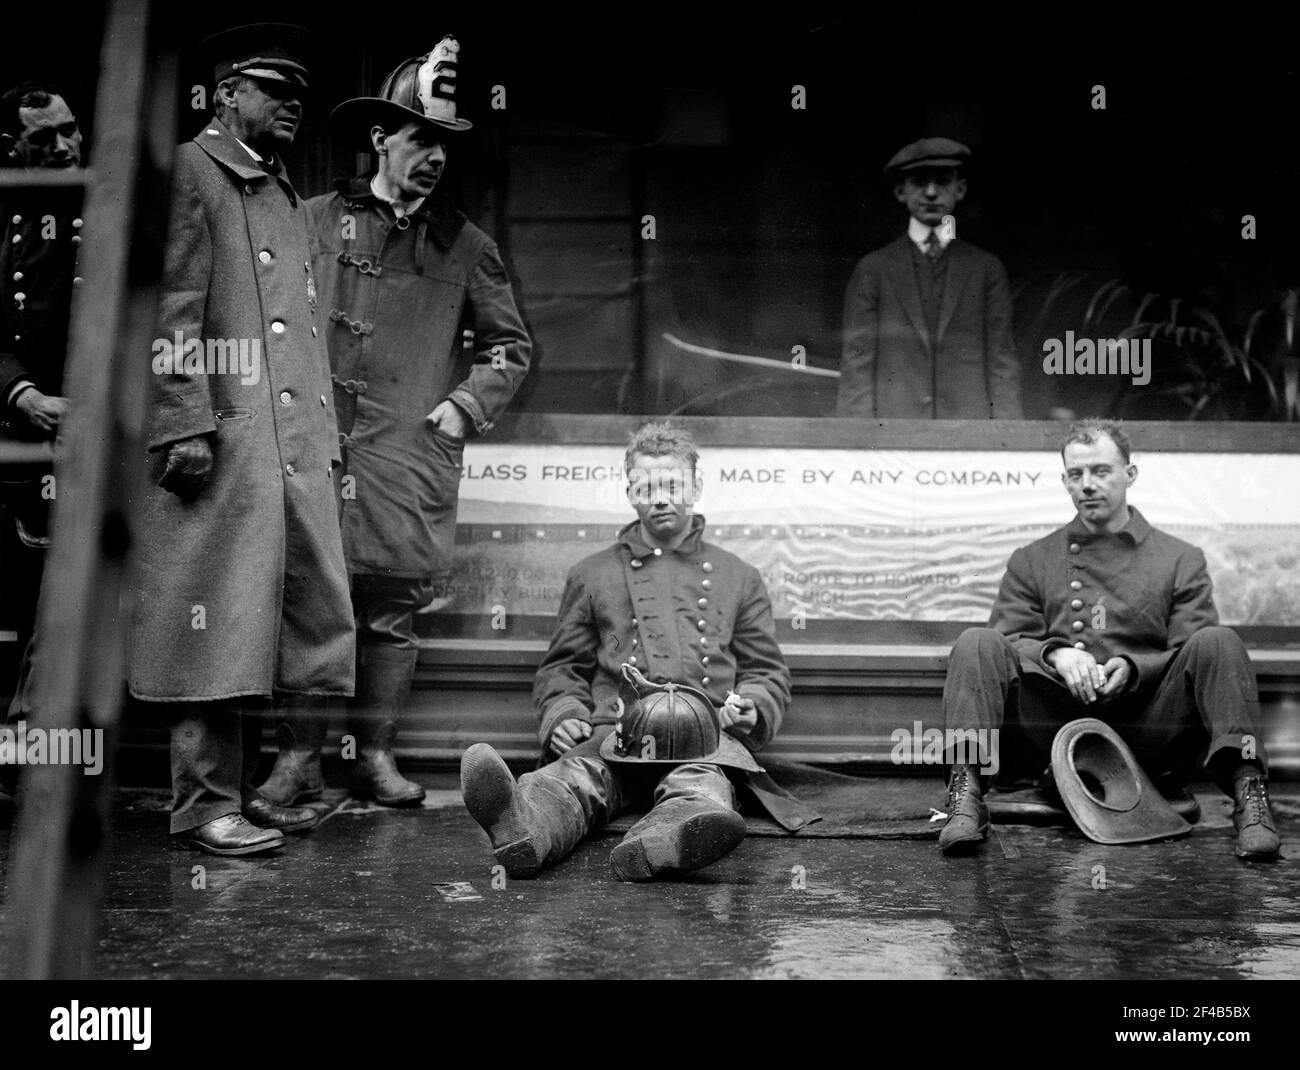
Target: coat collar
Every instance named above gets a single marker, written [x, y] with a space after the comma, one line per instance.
[630, 537]
[218, 142]
[441, 218]
[1135, 531]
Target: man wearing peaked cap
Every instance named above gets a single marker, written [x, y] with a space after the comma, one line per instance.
[270, 51]
[927, 318]
[402, 272]
[241, 586]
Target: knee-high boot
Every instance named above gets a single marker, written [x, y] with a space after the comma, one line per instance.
[300, 734]
[535, 821]
[384, 676]
[692, 824]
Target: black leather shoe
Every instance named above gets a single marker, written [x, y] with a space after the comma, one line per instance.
[968, 814]
[265, 814]
[1257, 839]
[229, 835]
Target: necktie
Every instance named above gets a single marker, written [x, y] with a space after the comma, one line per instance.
[932, 246]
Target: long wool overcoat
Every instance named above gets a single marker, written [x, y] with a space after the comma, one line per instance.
[242, 591]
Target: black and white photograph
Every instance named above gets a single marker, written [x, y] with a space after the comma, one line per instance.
[649, 494]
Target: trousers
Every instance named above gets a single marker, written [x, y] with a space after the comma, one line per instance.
[1204, 708]
[385, 608]
[580, 791]
[215, 747]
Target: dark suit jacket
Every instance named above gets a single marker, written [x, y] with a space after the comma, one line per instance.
[893, 368]
[1152, 589]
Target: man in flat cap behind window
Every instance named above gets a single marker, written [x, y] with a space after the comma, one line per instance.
[927, 318]
[242, 593]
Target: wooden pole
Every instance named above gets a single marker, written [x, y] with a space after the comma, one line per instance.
[58, 862]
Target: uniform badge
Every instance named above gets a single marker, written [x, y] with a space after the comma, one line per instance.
[311, 288]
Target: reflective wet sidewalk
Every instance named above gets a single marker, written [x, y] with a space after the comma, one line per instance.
[376, 893]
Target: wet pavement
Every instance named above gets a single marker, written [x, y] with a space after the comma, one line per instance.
[375, 893]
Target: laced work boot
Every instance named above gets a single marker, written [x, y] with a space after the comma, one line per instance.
[1257, 839]
[968, 815]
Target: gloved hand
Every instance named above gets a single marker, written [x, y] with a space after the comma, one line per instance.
[189, 466]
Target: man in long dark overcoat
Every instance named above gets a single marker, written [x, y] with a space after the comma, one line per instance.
[401, 272]
[242, 589]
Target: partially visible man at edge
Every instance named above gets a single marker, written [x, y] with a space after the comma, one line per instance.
[42, 236]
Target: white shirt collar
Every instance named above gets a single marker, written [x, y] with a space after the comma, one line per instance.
[249, 151]
[920, 234]
[400, 208]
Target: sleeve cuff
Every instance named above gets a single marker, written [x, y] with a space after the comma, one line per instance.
[769, 715]
[468, 403]
[561, 710]
[1048, 646]
[17, 388]
[175, 419]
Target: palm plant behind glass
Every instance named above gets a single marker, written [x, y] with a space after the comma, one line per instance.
[1202, 369]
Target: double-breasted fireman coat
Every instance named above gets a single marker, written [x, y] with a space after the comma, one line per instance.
[242, 591]
[1138, 593]
[397, 294]
[695, 615]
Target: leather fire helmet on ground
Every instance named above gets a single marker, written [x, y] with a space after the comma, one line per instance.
[669, 724]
